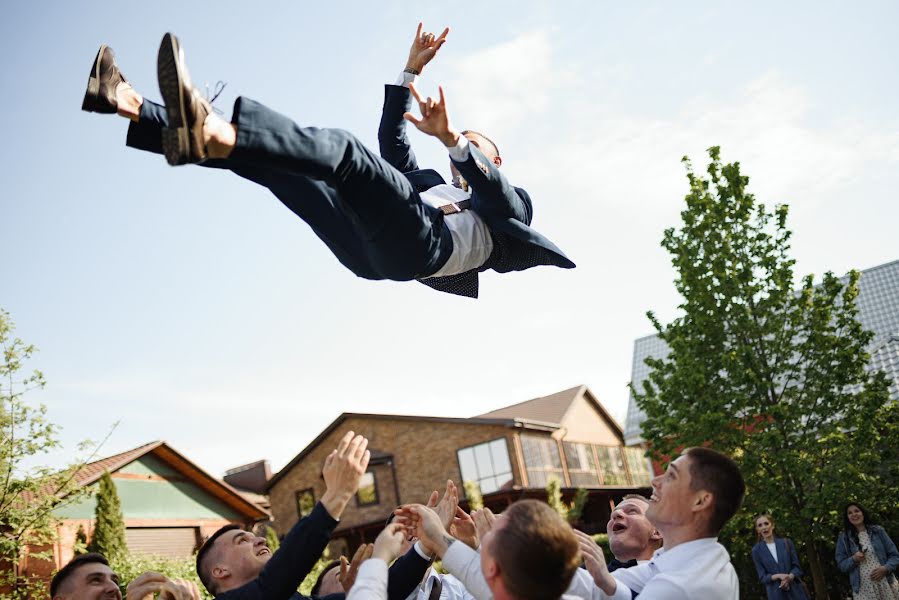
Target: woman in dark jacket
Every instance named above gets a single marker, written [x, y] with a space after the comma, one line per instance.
[776, 563]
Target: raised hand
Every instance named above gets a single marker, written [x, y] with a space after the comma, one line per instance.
[343, 471]
[483, 521]
[180, 589]
[434, 118]
[424, 523]
[447, 506]
[464, 530]
[346, 576]
[389, 543]
[145, 586]
[595, 562]
[424, 48]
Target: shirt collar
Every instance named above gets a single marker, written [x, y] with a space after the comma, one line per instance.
[666, 560]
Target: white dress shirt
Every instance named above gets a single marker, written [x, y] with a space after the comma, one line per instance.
[697, 569]
[472, 243]
[700, 569]
[371, 581]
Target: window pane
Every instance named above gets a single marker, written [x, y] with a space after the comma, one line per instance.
[531, 450]
[467, 465]
[639, 466]
[536, 478]
[612, 465]
[305, 502]
[552, 449]
[571, 455]
[368, 493]
[487, 465]
[482, 457]
[488, 485]
[499, 451]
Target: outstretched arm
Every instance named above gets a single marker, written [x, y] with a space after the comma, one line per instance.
[493, 195]
[392, 140]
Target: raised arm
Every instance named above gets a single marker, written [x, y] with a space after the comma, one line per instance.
[306, 541]
[392, 140]
[493, 196]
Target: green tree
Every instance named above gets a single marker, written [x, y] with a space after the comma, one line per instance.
[473, 494]
[109, 530]
[28, 493]
[570, 512]
[80, 541]
[129, 566]
[775, 377]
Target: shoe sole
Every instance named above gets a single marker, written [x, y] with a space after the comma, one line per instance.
[175, 139]
[91, 102]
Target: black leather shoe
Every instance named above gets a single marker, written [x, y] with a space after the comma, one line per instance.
[182, 141]
[101, 85]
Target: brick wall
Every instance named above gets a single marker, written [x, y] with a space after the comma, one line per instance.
[424, 456]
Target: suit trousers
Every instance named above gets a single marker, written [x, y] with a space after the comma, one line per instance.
[365, 211]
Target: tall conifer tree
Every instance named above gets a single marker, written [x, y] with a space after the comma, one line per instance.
[109, 531]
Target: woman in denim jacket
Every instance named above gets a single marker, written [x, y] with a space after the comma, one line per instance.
[866, 552]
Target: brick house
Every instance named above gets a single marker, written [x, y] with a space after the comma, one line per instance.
[509, 453]
[169, 505]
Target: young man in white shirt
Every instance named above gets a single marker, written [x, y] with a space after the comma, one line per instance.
[698, 493]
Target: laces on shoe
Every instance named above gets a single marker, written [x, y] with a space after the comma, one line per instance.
[216, 92]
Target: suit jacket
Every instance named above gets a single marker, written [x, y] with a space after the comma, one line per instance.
[507, 210]
[298, 553]
[787, 562]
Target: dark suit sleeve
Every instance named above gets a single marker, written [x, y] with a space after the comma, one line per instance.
[298, 553]
[795, 567]
[493, 196]
[406, 573]
[392, 139]
[764, 576]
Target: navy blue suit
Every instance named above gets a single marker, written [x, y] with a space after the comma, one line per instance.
[787, 562]
[301, 548]
[367, 212]
[507, 210]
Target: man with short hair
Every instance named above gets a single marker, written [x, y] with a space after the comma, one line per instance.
[632, 538]
[530, 553]
[698, 493]
[234, 564]
[89, 577]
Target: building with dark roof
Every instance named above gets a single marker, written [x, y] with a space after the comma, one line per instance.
[508, 453]
[878, 312]
[169, 504]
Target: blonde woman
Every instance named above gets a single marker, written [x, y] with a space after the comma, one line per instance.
[776, 562]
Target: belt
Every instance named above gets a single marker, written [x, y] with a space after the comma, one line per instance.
[455, 207]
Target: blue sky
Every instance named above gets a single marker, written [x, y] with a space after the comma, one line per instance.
[190, 306]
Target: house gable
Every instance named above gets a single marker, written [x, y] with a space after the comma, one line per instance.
[586, 421]
[149, 488]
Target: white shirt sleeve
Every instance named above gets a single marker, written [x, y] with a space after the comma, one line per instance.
[405, 79]
[465, 565]
[663, 588]
[582, 586]
[460, 151]
[371, 581]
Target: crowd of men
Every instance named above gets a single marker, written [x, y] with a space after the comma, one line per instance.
[664, 547]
